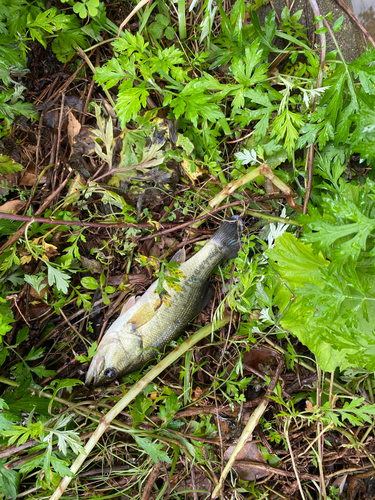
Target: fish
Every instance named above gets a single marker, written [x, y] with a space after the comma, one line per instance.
[145, 327]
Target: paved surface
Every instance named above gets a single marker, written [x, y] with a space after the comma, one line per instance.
[350, 39]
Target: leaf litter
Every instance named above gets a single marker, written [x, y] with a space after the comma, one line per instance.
[142, 147]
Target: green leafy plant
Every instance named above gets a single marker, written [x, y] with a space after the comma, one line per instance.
[91, 284]
[333, 307]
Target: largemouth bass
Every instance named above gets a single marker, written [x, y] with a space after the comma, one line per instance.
[145, 327]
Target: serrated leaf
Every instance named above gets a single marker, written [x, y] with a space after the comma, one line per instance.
[333, 312]
[61, 467]
[153, 449]
[346, 225]
[247, 156]
[9, 481]
[9, 166]
[58, 278]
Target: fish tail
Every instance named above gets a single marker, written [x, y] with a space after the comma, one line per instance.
[228, 236]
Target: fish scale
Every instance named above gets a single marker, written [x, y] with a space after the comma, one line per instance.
[144, 329]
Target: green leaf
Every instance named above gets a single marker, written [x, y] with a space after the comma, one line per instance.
[110, 74]
[92, 350]
[35, 282]
[170, 33]
[333, 312]
[156, 29]
[61, 467]
[9, 166]
[338, 24]
[42, 372]
[90, 283]
[286, 125]
[58, 278]
[9, 481]
[171, 406]
[130, 101]
[346, 225]
[153, 449]
[22, 335]
[66, 42]
[80, 9]
[6, 317]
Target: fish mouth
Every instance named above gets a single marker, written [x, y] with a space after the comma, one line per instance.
[95, 368]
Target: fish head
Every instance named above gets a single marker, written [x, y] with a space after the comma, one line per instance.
[116, 356]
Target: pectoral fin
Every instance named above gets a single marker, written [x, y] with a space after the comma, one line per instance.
[128, 304]
[145, 312]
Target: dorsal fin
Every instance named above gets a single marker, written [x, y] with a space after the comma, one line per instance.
[179, 256]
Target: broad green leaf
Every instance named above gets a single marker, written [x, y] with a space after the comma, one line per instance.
[90, 283]
[333, 313]
[9, 481]
[61, 467]
[346, 225]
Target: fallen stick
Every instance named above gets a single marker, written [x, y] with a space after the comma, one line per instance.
[265, 170]
[106, 419]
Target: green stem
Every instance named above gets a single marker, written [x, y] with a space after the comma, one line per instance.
[181, 19]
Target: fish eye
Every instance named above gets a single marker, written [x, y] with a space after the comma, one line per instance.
[110, 373]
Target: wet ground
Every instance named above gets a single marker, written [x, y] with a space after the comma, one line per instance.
[365, 11]
[350, 39]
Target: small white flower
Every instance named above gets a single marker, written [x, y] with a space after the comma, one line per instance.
[276, 230]
[310, 94]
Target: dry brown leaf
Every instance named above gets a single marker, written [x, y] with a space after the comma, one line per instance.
[28, 179]
[74, 128]
[309, 406]
[197, 393]
[250, 451]
[203, 485]
[260, 359]
[50, 249]
[12, 206]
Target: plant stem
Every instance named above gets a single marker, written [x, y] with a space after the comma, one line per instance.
[265, 170]
[181, 19]
[286, 434]
[319, 81]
